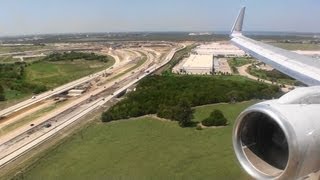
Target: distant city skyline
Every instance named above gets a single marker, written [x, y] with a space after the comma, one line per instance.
[79, 16]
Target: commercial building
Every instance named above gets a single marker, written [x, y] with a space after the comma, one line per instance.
[224, 49]
[197, 64]
[208, 58]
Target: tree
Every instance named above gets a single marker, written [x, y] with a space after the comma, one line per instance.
[165, 112]
[107, 117]
[1, 89]
[233, 95]
[39, 89]
[216, 118]
[183, 113]
[161, 95]
[2, 97]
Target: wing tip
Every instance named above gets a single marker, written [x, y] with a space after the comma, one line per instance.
[237, 27]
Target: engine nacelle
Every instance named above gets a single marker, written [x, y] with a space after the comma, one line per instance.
[280, 139]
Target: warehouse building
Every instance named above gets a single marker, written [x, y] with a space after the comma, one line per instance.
[208, 59]
[219, 49]
[197, 64]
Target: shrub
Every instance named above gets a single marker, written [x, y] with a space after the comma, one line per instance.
[2, 97]
[39, 89]
[199, 127]
[216, 118]
[106, 117]
[165, 112]
[1, 89]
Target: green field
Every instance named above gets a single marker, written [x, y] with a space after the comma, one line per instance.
[144, 148]
[10, 59]
[10, 49]
[7, 59]
[234, 63]
[240, 61]
[53, 74]
[273, 75]
[298, 46]
[14, 97]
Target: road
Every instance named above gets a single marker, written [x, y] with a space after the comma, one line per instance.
[22, 142]
[243, 72]
[74, 103]
[57, 90]
[22, 57]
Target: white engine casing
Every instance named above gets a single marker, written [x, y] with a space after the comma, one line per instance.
[280, 139]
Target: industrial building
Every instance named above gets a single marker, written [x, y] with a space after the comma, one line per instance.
[208, 59]
[197, 64]
[224, 49]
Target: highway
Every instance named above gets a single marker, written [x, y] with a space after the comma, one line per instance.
[59, 90]
[74, 103]
[25, 141]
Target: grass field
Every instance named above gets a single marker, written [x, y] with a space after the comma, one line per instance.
[53, 74]
[14, 98]
[7, 59]
[144, 148]
[297, 46]
[10, 49]
[234, 63]
[240, 61]
[14, 94]
[10, 59]
[267, 75]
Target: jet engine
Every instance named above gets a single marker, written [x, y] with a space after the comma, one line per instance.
[280, 139]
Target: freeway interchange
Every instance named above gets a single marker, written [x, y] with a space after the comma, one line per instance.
[131, 65]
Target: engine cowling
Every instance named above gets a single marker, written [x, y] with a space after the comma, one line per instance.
[280, 139]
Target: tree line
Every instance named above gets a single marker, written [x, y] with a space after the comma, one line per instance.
[70, 56]
[163, 95]
[12, 76]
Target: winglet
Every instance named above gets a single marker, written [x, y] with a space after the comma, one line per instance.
[237, 27]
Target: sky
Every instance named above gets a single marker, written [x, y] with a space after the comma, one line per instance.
[19, 17]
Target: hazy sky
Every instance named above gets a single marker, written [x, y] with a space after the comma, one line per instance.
[60, 16]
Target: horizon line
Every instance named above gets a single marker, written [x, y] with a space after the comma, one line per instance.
[160, 31]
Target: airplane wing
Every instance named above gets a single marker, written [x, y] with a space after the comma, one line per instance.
[302, 68]
[280, 138]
